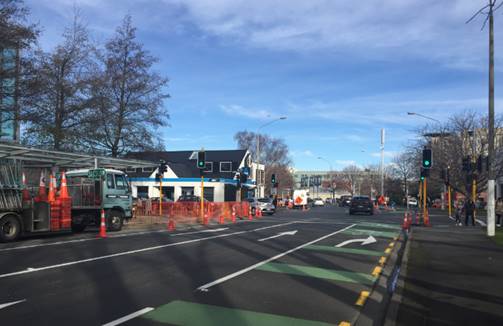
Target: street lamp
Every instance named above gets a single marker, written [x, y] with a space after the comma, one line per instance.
[423, 116]
[258, 146]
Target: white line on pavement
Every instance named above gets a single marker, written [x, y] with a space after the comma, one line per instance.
[124, 253]
[129, 317]
[5, 305]
[480, 222]
[205, 287]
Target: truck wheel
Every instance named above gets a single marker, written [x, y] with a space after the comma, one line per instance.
[10, 228]
[77, 228]
[115, 220]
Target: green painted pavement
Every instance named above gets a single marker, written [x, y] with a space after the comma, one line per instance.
[330, 274]
[188, 313]
[382, 234]
[380, 225]
[345, 250]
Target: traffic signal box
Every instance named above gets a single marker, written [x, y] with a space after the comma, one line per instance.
[427, 159]
[425, 173]
[201, 159]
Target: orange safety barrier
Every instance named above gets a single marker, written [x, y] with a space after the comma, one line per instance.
[190, 212]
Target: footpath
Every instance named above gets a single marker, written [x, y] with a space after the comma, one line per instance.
[451, 275]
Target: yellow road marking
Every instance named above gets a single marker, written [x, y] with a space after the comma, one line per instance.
[392, 244]
[382, 261]
[387, 251]
[363, 298]
[344, 323]
[395, 238]
[377, 270]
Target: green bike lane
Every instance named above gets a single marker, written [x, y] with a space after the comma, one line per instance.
[318, 284]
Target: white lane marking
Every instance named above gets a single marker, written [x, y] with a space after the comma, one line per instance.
[5, 305]
[203, 231]
[480, 222]
[31, 270]
[129, 317]
[205, 287]
[364, 242]
[452, 218]
[279, 235]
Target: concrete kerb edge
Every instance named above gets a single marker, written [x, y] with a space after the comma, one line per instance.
[378, 305]
[397, 298]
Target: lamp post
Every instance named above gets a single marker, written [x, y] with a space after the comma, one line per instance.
[257, 153]
[423, 116]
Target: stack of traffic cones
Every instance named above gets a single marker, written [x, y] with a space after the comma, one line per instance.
[54, 204]
[171, 225]
[42, 194]
[26, 193]
[233, 216]
[221, 219]
[103, 226]
[66, 203]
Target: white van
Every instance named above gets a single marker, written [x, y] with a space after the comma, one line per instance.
[300, 197]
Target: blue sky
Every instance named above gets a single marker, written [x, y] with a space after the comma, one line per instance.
[338, 71]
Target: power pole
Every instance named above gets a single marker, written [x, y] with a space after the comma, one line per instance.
[382, 162]
[491, 8]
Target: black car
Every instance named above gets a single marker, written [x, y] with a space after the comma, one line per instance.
[361, 204]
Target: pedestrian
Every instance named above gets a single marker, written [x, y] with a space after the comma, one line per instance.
[458, 211]
[499, 210]
[469, 211]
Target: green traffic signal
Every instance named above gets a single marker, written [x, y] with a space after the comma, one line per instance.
[427, 163]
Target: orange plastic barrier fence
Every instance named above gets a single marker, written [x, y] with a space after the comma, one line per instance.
[190, 212]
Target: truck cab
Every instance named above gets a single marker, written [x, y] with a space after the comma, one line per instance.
[90, 191]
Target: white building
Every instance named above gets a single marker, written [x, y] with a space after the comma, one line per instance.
[221, 175]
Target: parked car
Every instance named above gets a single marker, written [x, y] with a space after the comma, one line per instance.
[361, 204]
[412, 201]
[190, 198]
[318, 202]
[265, 205]
[344, 201]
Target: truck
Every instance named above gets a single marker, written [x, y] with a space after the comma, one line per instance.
[300, 197]
[91, 190]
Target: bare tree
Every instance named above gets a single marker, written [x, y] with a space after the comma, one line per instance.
[404, 169]
[57, 107]
[352, 173]
[128, 96]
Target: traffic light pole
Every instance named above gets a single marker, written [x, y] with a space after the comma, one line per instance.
[160, 196]
[202, 196]
[425, 199]
[449, 199]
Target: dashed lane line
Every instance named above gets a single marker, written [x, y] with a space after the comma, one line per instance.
[129, 317]
[8, 304]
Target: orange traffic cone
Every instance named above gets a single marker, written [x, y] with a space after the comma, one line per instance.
[42, 195]
[52, 190]
[221, 219]
[405, 222]
[233, 216]
[250, 216]
[103, 227]
[26, 193]
[259, 213]
[171, 225]
[205, 219]
[63, 191]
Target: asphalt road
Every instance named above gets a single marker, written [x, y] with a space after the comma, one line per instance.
[234, 274]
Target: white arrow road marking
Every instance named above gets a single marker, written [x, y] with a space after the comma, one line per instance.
[202, 231]
[204, 288]
[279, 235]
[129, 317]
[5, 305]
[364, 242]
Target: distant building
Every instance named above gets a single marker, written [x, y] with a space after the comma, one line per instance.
[9, 124]
[184, 178]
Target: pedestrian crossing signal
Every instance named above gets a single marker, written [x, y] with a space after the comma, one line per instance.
[427, 158]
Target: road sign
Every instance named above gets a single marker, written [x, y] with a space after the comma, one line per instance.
[96, 173]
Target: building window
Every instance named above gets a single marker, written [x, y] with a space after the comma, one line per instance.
[142, 192]
[148, 169]
[208, 167]
[130, 169]
[225, 166]
[187, 191]
[209, 193]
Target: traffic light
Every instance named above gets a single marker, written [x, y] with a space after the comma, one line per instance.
[273, 178]
[162, 167]
[201, 159]
[425, 173]
[427, 162]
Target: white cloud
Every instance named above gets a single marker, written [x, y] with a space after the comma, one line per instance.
[387, 154]
[345, 162]
[250, 113]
